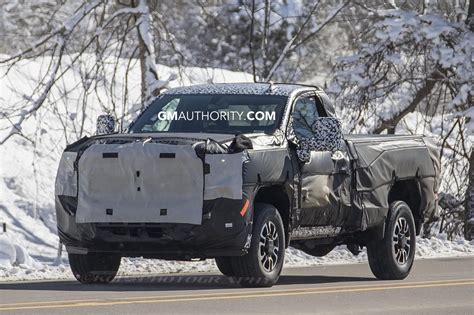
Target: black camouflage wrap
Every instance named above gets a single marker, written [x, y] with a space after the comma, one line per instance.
[105, 124]
[380, 161]
[237, 88]
[326, 136]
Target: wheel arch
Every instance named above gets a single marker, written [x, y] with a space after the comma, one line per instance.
[277, 196]
[408, 190]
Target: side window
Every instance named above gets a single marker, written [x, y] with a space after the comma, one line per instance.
[304, 116]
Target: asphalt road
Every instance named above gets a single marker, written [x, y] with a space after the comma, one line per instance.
[435, 286]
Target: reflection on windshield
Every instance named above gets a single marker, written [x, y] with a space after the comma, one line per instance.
[231, 114]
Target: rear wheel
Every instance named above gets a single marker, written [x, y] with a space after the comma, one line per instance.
[262, 266]
[224, 264]
[392, 257]
[94, 267]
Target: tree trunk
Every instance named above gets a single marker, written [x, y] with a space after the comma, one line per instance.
[146, 50]
[470, 16]
[469, 197]
[469, 201]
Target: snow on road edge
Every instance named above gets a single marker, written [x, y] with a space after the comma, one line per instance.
[434, 247]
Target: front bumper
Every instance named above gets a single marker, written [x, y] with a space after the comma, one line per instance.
[223, 232]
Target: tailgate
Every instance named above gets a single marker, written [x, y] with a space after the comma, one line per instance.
[137, 182]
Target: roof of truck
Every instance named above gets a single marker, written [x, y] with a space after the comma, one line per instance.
[282, 89]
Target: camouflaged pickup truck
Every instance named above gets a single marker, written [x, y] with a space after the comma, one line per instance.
[238, 172]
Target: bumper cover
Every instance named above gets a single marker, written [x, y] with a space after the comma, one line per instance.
[223, 231]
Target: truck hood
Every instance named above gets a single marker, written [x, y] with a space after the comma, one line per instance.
[196, 135]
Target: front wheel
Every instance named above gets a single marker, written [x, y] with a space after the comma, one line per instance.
[392, 257]
[94, 267]
[262, 266]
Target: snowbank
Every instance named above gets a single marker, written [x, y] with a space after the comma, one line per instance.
[13, 255]
[7, 252]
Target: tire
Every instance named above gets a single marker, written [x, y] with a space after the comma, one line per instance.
[224, 264]
[392, 257]
[262, 265]
[94, 267]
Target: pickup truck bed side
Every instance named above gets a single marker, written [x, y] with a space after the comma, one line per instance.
[380, 162]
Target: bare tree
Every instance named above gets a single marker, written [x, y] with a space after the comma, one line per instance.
[97, 28]
[299, 38]
[146, 52]
[469, 199]
[410, 63]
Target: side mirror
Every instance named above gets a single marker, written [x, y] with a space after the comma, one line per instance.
[105, 124]
[327, 135]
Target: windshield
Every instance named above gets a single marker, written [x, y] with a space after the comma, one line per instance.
[229, 114]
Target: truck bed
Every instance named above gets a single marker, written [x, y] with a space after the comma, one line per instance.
[382, 160]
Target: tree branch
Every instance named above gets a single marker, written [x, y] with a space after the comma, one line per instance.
[419, 96]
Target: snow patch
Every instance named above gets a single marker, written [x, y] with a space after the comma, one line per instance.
[13, 255]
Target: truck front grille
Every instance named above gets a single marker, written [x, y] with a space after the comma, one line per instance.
[132, 230]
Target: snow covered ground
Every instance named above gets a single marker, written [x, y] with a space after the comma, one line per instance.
[28, 250]
[26, 268]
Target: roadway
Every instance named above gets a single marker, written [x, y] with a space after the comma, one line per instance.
[435, 286]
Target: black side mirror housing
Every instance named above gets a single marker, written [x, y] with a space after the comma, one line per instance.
[327, 135]
[105, 124]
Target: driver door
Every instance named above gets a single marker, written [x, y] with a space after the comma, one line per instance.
[323, 168]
